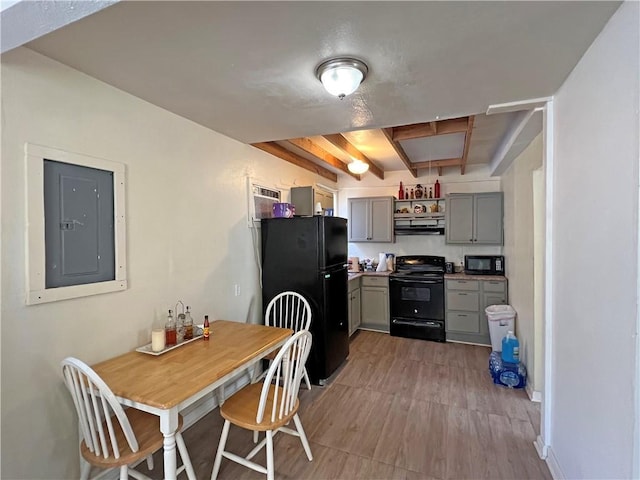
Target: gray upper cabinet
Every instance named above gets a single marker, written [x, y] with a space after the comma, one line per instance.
[371, 219]
[474, 218]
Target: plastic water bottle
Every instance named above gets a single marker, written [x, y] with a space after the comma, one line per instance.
[510, 348]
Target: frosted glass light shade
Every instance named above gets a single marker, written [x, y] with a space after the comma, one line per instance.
[341, 76]
[357, 167]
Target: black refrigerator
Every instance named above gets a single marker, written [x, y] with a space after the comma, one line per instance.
[308, 255]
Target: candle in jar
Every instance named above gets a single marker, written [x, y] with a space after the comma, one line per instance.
[157, 340]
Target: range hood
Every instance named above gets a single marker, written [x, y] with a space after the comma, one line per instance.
[419, 230]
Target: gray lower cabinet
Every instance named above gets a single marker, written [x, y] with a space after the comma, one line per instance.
[355, 317]
[474, 218]
[375, 303]
[465, 301]
[370, 219]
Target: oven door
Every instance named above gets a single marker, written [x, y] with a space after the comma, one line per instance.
[416, 298]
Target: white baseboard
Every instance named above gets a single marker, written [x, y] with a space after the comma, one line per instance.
[554, 466]
[546, 453]
[534, 395]
[541, 448]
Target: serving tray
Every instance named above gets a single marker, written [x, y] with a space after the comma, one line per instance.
[147, 348]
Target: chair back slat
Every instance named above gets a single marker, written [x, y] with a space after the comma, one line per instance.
[288, 310]
[284, 377]
[97, 408]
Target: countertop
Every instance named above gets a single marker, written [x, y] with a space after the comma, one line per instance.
[450, 276]
[354, 275]
[464, 276]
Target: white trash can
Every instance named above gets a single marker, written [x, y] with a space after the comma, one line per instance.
[501, 319]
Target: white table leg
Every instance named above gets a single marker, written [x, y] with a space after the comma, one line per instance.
[168, 427]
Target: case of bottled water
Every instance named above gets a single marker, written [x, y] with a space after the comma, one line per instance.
[512, 375]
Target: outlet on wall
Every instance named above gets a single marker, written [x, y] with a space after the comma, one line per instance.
[236, 290]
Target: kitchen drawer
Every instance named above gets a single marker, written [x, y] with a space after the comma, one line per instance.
[467, 301]
[494, 286]
[353, 284]
[463, 322]
[371, 281]
[463, 284]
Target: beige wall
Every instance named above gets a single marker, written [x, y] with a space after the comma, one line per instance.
[596, 157]
[187, 238]
[517, 183]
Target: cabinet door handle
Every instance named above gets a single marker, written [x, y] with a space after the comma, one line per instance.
[461, 293]
[462, 314]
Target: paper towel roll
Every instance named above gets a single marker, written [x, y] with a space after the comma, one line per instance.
[382, 262]
[354, 264]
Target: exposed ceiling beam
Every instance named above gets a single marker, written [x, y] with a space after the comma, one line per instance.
[281, 152]
[446, 162]
[430, 129]
[321, 154]
[467, 142]
[343, 144]
[388, 132]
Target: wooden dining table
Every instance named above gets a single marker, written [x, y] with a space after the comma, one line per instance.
[165, 384]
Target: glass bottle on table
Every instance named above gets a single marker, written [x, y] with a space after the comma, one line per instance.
[180, 328]
[170, 330]
[205, 328]
[188, 325]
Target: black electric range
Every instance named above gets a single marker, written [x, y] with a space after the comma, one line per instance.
[416, 298]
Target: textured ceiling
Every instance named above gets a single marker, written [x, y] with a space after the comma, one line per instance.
[246, 69]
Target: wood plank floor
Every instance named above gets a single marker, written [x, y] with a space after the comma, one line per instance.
[397, 409]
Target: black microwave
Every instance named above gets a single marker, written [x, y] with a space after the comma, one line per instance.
[484, 264]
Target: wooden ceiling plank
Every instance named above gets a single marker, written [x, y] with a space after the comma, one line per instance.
[467, 142]
[416, 130]
[321, 154]
[455, 125]
[279, 151]
[446, 162]
[343, 144]
[430, 129]
[388, 133]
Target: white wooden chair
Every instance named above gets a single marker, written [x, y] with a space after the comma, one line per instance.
[268, 406]
[289, 310]
[111, 436]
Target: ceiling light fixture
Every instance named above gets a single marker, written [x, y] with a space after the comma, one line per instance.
[358, 166]
[342, 76]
